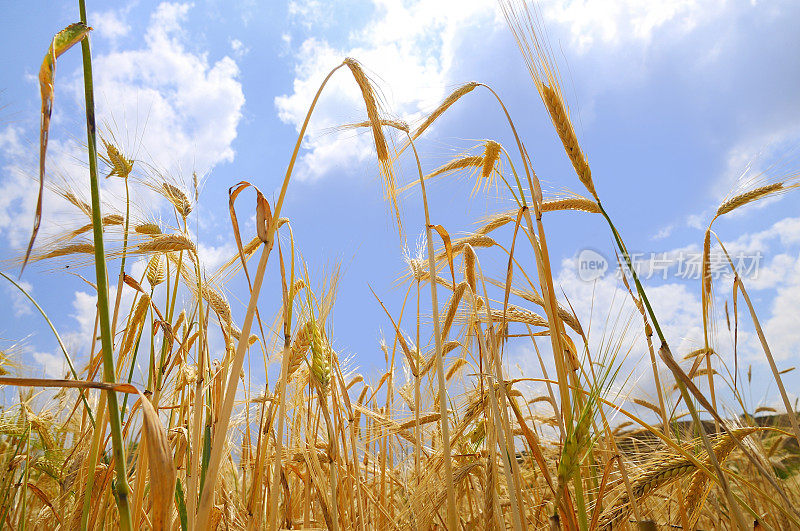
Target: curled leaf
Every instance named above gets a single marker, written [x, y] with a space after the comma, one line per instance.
[160, 462]
[263, 217]
[63, 41]
[448, 249]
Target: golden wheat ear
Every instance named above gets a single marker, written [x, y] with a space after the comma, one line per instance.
[381, 147]
[119, 164]
[526, 25]
[560, 117]
[453, 97]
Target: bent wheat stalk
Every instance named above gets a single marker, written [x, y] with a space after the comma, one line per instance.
[437, 334]
[206, 498]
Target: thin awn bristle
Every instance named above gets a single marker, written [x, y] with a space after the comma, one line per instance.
[748, 197]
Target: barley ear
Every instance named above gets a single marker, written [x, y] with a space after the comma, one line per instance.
[381, 147]
[748, 197]
[558, 114]
[155, 270]
[450, 100]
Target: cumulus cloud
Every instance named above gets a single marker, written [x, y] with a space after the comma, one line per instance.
[238, 47]
[213, 256]
[185, 107]
[614, 22]
[611, 320]
[410, 49]
[165, 103]
[109, 24]
[53, 366]
[19, 302]
[413, 48]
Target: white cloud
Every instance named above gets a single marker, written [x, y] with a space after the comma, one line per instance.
[410, 49]
[165, 103]
[185, 108]
[616, 22]
[19, 302]
[663, 232]
[759, 158]
[85, 309]
[109, 25]
[781, 328]
[52, 365]
[212, 256]
[239, 49]
[607, 313]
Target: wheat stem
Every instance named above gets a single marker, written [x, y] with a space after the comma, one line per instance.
[452, 517]
[102, 286]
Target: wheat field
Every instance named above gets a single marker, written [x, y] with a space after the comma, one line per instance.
[459, 442]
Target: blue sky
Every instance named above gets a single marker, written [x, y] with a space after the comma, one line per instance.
[673, 102]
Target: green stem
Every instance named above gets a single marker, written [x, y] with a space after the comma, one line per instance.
[102, 285]
[25, 474]
[738, 518]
